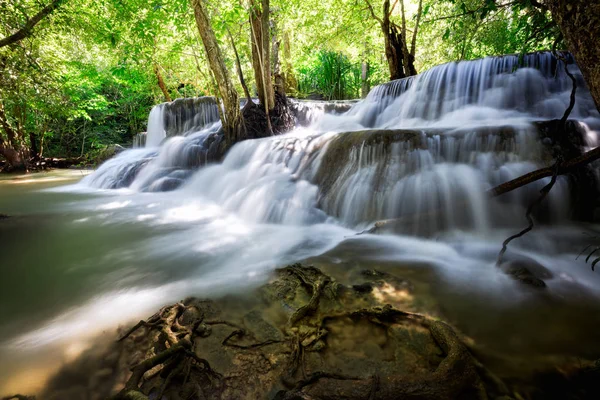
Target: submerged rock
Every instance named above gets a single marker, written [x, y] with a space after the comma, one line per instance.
[302, 335]
[528, 272]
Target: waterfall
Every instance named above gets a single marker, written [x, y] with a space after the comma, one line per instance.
[422, 152]
[152, 167]
[423, 149]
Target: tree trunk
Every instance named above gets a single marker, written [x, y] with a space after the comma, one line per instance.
[579, 22]
[278, 76]
[261, 57]
[364, 76]
[266, 53]
[394, 52]
[394, 46]
[161, 83]
[11, 149]
[35, 153]
[13, 157]
[261, 52]
[232, 120]
[364, 88]
[255, 42]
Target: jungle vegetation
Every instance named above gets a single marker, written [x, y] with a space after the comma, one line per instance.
[76, 76]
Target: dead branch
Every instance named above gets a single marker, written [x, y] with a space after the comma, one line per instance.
[546, 189]
[543, 193]
[564, 168]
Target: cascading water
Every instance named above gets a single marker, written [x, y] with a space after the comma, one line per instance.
[468, 126]
[189, 123]
[423, 151]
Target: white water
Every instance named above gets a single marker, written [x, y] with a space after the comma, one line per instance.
[278, 200]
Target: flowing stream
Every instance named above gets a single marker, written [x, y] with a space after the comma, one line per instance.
[159, 222]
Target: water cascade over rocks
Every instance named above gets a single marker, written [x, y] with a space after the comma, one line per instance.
[423, 149]
[422, 152]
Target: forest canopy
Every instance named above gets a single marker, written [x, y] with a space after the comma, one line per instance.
[84, 74]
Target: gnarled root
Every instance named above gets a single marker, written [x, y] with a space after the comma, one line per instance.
[176, 326]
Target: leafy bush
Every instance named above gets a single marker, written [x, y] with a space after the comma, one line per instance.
[331, 75]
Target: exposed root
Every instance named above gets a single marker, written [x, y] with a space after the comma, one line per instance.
[316, 288]
[174, 350]
[306, 354]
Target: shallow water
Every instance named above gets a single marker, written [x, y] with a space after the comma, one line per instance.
[78, 264]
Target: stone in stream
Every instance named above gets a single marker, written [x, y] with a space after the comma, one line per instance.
[302, 335]
[528, 272]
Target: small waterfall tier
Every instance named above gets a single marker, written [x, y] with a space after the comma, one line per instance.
[534, 85]
[178, 140]
[180, 118]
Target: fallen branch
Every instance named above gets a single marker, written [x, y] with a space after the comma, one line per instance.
[564, 168]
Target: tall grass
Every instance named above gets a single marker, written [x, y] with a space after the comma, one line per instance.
[332, 75]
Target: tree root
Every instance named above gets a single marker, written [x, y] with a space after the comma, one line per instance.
[176, 358]
[315, 287]
[455, 375]
[175, 363]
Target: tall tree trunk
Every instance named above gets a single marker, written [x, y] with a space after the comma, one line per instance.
[261, 56]
[11, 149]
[256, 44]
[579, 22]
[364, 88]
[232, 119]
[393, 41]
[394, 52]
[261, 52]
[279, 84]
[161, 83]
[35, 153]
[266, 53]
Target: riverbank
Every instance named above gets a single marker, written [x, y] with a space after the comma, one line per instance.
[305, 335]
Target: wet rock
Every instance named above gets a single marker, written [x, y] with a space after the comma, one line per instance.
[165, 185]
[108, 152]
[363, 288]
[528, 272]
[379, 278]
[300, 326]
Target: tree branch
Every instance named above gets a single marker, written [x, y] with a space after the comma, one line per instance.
[27, 29]
[413, 45]
[373, 12]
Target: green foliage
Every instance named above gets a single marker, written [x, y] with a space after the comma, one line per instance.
[332, 75]
[86, 77]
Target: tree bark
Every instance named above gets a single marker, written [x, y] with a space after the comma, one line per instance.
[27, 29]
[161, 83]
[232, 119]
[261, 52]
[393, 41]
[11, 148]
[579, 22]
